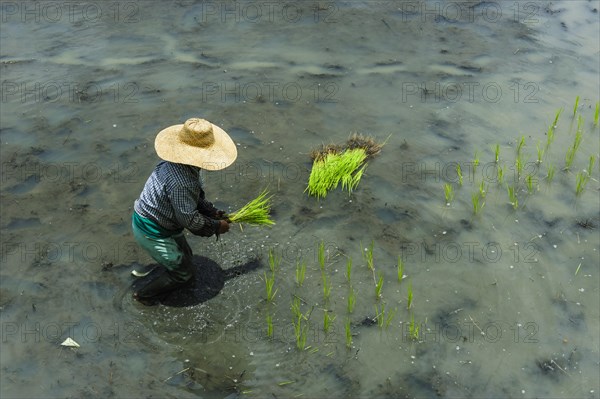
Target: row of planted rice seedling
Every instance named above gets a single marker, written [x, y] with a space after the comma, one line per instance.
[304, 316]
[528, 174]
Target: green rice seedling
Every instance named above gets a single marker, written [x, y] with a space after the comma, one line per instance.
[570, 157]
[556, 116]
[540, 153]
[530, 184]
[448, 193]
[379, 286]
[409, 296]
[475, 163]
[413, 329]
[351, 300]
[348, 334]
[591, 163]
[550, 173]
[580, 122]
[269, 284]
[572, 150]
[300, 322]
[320, 180]
[274, 260]
[477, 204]
[400, 269]
[596, 114]
[500, 174]
[255, 212]
[521, 144]
[380, 314]
[519, 165]
[327, 320]
[552, 128]
[350, 181]
[269, 326]
[326, 285]
[582, 179]
[549, 137]
[384, 318]
[300, 272]
[512, 196]
[578, 138]
[295, 307]
[321, 255]
[300, 331]
[353, 158]
[576, 105]
[482, 189]
[368, 256]
[318, 185]
[459, 174]
[497, 153]
[390, 317]
[349, 269]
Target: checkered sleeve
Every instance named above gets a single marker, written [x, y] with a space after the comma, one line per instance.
[184, 201]
[206, 208]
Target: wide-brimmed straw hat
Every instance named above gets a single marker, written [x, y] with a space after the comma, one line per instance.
[197, 142]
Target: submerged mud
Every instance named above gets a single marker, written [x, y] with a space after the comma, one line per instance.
[506, 299]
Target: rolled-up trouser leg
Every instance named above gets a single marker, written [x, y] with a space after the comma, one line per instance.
[174, 253]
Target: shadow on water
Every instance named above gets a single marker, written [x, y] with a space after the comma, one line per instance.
[209, 279]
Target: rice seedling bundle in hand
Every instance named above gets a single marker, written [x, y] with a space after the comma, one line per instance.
[346, 164]
[255, 212]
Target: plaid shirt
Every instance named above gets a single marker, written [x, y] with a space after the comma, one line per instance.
[173, 198]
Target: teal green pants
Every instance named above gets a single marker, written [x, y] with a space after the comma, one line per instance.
[174, 252]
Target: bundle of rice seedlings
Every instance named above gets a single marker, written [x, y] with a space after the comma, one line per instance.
[321, 153]
[368, 144]
[327, 173]
[333, 164]
[255, 212]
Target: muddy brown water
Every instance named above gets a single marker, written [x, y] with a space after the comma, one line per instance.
[506, 300]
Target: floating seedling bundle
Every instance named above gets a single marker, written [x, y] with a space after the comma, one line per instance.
[255, 212]
[333, 164]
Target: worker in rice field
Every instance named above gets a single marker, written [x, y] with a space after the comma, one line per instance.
[173, 200]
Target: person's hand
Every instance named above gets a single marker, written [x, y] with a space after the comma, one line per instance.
[221, 215]
[223, 227]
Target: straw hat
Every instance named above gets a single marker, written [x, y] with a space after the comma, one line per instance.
[197, 142]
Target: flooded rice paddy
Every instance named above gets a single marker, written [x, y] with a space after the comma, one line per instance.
[503, 273]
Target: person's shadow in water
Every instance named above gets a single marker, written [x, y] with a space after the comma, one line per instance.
[209, 279]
